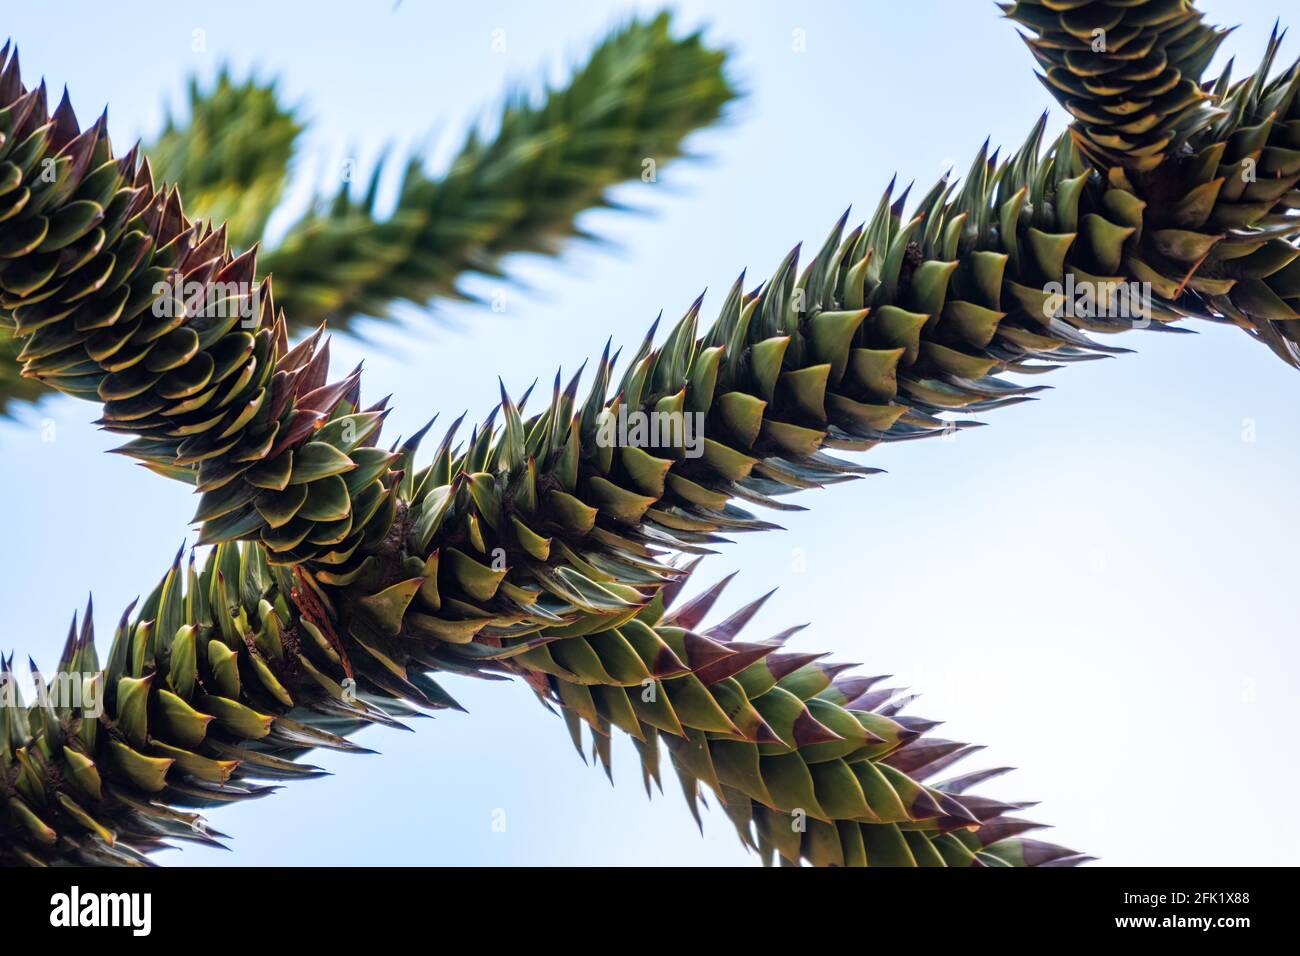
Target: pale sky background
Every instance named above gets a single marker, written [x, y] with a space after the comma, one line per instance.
[1100, 587]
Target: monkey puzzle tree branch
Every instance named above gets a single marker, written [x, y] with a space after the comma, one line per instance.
[1128, 73]
[213, 692]
[637, 98]
[1216, 162]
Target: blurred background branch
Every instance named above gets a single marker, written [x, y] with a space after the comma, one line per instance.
[623, 113]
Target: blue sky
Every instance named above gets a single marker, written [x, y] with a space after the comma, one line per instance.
[1099, 587]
